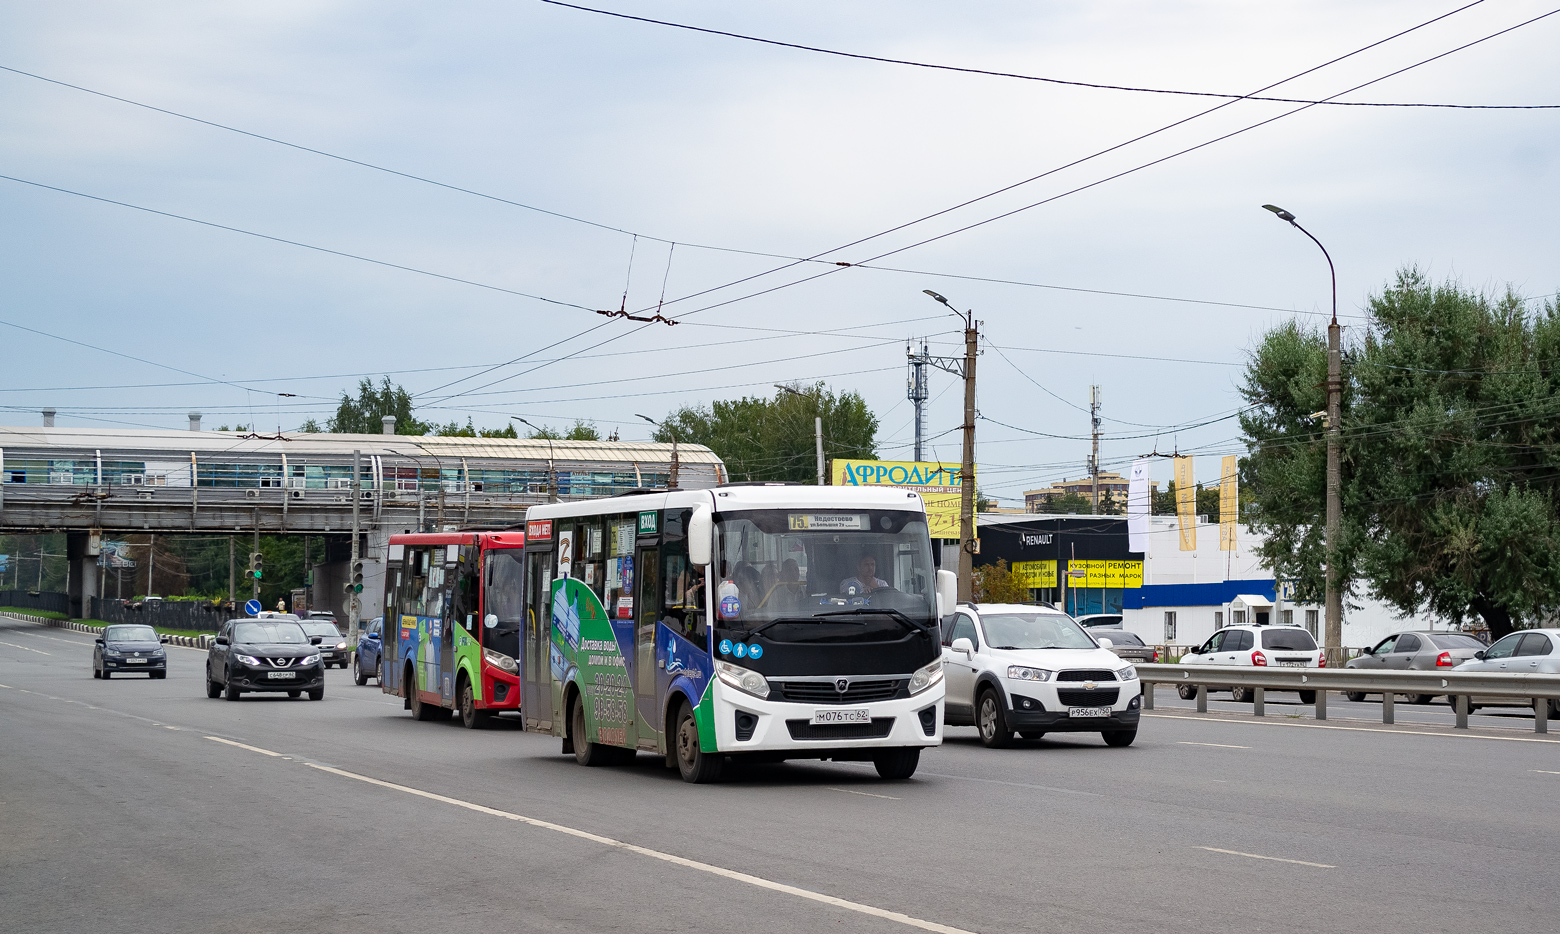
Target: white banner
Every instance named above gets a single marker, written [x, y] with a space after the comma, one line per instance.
[1138, 506]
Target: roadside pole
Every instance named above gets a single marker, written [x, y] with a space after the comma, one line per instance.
[354, 600]
[967, 541]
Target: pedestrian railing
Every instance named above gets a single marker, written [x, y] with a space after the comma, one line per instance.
[1536, 689]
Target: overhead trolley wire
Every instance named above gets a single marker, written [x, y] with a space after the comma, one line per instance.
[1045, 80]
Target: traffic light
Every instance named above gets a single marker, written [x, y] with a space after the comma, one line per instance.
[256, 565]
[355, 578]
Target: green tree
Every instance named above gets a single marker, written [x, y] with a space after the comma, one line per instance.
[1068, 504]
[773, 439]
[468, 430]
[364, 415]
[580, 431]
[994, 583]
[1450, 434]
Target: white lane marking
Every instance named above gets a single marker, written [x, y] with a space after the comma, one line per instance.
[1276, 859]
[25, 648]
[263, 752]
[1355, 729]
[1220, 745]
[1541, 771]
[868, 794]
[721, 871]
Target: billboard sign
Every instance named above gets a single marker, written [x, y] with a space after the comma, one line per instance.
[114, 555]
[940, 486]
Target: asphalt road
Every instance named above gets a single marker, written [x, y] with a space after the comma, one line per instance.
[139, 805]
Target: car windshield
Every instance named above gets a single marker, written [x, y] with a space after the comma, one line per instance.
[824, 576]
[279, 632]
[1455, 640]
[321, 629]
[1295, 640]
[1035, 631]
[129, 634]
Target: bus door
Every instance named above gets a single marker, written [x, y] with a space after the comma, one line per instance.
[536, 643]
[390, 630]
[453, 571]
[647, 603]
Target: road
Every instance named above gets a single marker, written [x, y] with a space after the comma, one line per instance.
[139, 805]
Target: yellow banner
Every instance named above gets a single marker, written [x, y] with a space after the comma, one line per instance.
[1118, 574]
[939, 485]
[1229, 502]
[1186, 502]
[1034, 574]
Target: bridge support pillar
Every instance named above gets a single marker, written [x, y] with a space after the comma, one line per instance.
[83, 574]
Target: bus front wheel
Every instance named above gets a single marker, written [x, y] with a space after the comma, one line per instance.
[895, 764]
[695, 765]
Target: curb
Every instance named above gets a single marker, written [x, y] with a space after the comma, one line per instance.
[192, 642]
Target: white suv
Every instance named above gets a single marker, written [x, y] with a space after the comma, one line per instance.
[1032, 669]
[1256, 646]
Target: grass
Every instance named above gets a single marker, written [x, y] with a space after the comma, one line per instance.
[25, 611]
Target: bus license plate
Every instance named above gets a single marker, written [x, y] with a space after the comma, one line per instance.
[837, 715]
[1088, 711]
[277, 675]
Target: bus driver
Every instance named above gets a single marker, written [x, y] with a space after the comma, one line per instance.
[866, 579]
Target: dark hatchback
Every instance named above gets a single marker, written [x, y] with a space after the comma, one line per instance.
[264, 655]
[133, 648]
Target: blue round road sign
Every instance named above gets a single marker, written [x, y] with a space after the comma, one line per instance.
[252, 608]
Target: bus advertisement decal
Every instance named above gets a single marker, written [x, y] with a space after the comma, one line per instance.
[585, 639]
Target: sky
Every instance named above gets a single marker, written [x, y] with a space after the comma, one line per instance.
[611, 164]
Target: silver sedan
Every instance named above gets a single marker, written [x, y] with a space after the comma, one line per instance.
[1416, 651]
[1531, 651]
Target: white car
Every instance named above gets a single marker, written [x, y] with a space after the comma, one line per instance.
[1256, 646]
[1529, 651]
[1032, 669]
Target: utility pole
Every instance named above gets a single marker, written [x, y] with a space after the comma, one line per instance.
[151, 562]
[254, 559]
[354, 602]
[232, 572]
[915, 388]
[1332, 639]
[967, 541]
[671, 481]
[818, 436]
[1094, 460]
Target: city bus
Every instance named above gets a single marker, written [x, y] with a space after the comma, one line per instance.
[749, 621]
[454, 607]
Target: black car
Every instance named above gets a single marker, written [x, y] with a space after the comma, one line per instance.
[264, 655]
[333, 645]
[134, 648]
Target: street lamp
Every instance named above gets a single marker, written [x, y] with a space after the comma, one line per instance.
[552, 473]
[967, 542]
[1333, 637]
[817, 427]
[672, 430]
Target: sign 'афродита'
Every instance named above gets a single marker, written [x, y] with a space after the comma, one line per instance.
[940, 486]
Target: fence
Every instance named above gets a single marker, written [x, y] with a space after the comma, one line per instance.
[34, 600]
[1540, 690]
[200, 617]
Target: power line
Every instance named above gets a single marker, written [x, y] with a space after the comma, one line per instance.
[1060, 81]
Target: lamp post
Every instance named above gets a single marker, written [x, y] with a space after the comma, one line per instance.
[817, 427]
[552, 473]
[967, 541]
[1333, 636]
[672, 430]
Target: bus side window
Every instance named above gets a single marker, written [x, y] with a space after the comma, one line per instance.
[415, 581]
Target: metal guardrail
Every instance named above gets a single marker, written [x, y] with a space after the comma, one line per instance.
[1462, 685]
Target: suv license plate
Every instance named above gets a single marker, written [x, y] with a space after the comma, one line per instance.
[1291, 664]
[281, 674]
[852, 715]
[1088, 711]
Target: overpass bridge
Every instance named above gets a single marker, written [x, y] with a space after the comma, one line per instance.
[92, 482]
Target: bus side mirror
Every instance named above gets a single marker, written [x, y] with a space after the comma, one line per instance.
[701, 533]
[947, 592]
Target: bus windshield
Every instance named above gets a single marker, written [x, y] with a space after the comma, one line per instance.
[824, 575]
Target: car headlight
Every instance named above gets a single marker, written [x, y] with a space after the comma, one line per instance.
[114, 653]
[926, 677]
[341, 645]
[1020, 673]
[500, 660]
[1127, 674]
[743, 679]
[309, 659]
[249, 660]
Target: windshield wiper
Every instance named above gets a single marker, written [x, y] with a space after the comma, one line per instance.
[885, 611]
[806, 619]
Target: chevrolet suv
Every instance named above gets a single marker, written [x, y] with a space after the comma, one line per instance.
[1032, 669]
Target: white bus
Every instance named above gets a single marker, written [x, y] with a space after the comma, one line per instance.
[756, 621]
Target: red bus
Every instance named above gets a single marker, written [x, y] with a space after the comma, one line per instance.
[454, 605]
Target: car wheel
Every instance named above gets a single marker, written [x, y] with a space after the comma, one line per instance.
[158, 675]
[233, 693]
[359, 677]
[1354, 696]
[96, 673]
[379, 671]
[213, 689]
[1307, 697]
[992, 721]
[1120, 737]
[897, 764]
[470, 717]
[1241, 695]
[1423, 698]
[1187, 691]
[106, 673]
[317, 694]
[294, 693]
[1032, 734]
[694, 764]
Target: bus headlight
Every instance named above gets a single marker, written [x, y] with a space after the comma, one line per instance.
[500, 661]
[743, 679]
[926, 677]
